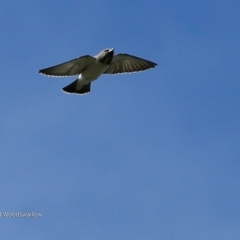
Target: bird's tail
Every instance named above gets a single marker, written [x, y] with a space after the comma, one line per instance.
[72, 88]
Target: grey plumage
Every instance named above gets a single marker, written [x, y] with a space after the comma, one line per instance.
[90, 68]
[69, 68]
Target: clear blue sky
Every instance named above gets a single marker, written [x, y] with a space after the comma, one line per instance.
[152, 155]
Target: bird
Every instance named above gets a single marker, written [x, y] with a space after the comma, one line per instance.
[90, 68]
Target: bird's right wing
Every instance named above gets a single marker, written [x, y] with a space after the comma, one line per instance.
[125, 63]
[70, 68]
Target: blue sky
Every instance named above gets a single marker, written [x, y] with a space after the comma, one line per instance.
[151, 155]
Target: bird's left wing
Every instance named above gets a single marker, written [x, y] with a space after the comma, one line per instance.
[70, 68]
[124, 63]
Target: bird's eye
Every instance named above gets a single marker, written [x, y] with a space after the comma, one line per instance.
[106, 50]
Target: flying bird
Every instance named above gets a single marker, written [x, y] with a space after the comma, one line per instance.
[90, 68]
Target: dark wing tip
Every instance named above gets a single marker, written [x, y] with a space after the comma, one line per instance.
[44, 71]
[152, 64]
[50, 73]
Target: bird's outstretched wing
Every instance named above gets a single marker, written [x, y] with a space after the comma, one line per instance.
[124, 63]
[70, 68]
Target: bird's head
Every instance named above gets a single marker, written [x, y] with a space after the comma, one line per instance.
[106, 55]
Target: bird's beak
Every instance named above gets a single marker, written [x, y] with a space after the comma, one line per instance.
[112, 49]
